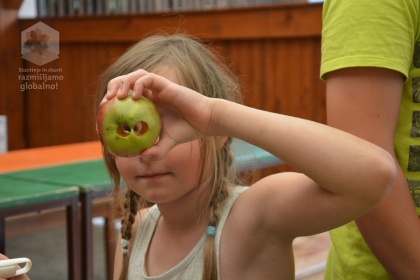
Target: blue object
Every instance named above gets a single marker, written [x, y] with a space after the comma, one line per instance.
[211, 230]
[249, 157]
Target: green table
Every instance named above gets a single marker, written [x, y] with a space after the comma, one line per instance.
[93, 182]
[19, 197]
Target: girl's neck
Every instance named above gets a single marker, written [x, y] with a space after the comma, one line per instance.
[189, 212]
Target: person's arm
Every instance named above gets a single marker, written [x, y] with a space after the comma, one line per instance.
[344, 174]
[365, 102]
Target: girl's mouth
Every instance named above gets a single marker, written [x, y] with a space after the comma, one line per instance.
[153, 177]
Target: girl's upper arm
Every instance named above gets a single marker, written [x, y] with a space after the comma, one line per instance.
[291, 204]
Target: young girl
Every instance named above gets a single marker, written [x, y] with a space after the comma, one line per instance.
[185, 215]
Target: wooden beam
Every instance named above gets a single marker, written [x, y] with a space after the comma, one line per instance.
[274, 50]
[265, 22]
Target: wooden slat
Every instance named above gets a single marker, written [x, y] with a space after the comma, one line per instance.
[66, 115]
[274, 51]
[281, 21]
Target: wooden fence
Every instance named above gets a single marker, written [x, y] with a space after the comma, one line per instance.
[274, 50]
[54, 8]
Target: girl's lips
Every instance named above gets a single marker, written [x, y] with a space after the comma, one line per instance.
[153, 177]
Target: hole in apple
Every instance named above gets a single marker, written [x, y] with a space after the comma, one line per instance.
[140, 128]
[123, 130]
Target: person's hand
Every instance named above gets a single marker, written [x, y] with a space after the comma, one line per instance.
[120, 85]
[19, 277]
[185, 114]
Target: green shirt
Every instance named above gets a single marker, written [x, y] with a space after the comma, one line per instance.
[375, 33]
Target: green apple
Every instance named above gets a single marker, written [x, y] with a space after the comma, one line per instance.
[127, 127]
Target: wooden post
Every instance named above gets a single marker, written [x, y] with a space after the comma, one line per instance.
[11, 97]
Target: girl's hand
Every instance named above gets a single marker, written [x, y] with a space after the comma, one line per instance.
[185, 114]
[120, 85]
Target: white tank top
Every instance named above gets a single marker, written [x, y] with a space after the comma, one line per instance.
[191, 267]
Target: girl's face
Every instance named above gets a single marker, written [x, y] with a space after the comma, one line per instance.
[166, 180]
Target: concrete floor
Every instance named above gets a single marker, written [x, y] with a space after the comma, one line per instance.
[47, 251]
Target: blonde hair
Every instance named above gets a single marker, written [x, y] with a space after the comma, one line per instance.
[203, 71]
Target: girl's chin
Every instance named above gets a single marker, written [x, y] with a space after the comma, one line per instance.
[156, 194]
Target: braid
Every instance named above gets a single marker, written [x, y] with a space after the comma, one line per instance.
[130, 211]
[227, 157]
[210, 260]
[217, 200]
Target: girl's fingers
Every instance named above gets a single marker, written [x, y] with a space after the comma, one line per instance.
[122, 89]
[120, 85]
[147, 93]
[128, 82]
[114, 85]
[148, 84]
[112, 89]
[139, 87]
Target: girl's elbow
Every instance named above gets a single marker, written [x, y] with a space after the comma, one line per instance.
[385, 175]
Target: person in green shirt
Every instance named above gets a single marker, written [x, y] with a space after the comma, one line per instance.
[371, 62]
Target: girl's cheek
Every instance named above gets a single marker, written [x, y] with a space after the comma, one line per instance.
[123, 165]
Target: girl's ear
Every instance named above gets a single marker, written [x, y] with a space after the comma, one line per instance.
[220, 141]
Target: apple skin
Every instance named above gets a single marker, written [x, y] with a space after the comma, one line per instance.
[127, 127]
